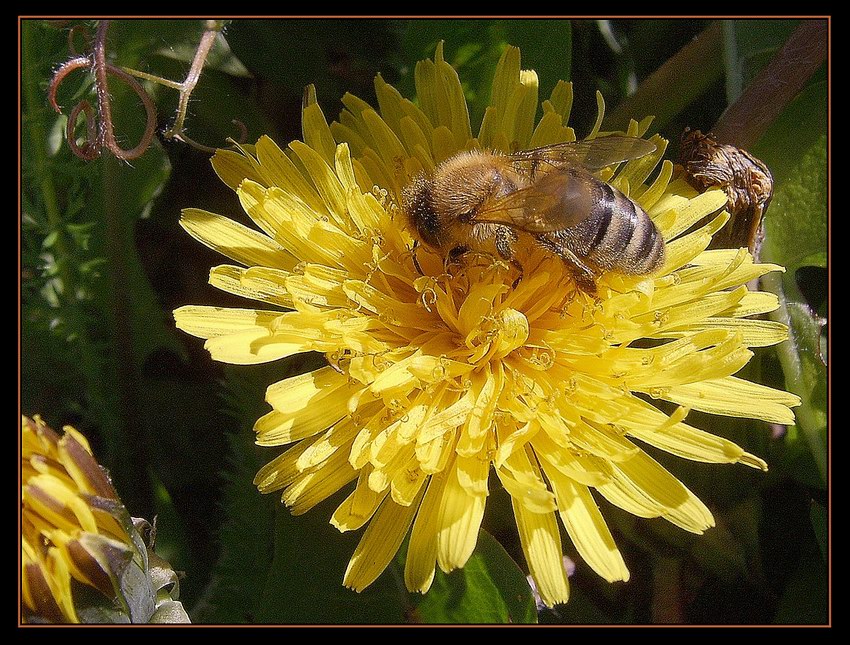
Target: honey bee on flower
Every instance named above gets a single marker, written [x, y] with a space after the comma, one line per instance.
[443, 365]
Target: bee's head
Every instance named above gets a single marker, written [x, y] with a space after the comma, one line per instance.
[417, 204]
[441, 205]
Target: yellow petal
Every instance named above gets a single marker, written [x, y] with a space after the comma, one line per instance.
[312, 487]
[459, 519]
[753, 302]
[600, 114]
[650, 196]
[697, 207]
[422, 549]
[472, 473]
[731, 396]
[303, 406]
[441, 97]
[257, 283]
[326, 182]
[541, 544]
[297, 393]
[359, 507]
[406, 483]
[379, 544]
[314, 127]
[587, 528]
[237, 242]
[336, 439]
[449, 418]
[673, 436]
[485, 389]
[754, 333]
[210, 322]
[254, 346]
[61, 505]
[675, 502]
[587, 470]
[233, 167]
[285, 175]
[522, 480]
[282, 470]
[549, 129]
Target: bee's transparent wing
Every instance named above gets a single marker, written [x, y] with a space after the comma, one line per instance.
[592, 154]
[556, 201]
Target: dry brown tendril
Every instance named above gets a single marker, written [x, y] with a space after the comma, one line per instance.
[99, 124]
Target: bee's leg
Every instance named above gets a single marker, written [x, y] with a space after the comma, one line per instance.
[584, 276]
[415, 259]
[454, 255]
[505, 239]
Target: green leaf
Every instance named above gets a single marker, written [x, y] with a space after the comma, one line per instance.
[726, 549]
[246, 543]
[169, 612]
[218, 99]
[580, 610]
[135, 39]
[796, 221]
[219, 58]
[795, 148]
[304, 579]
[546, 47]
[807, 333]
[334, 55]
[277, 568]
[491, 588]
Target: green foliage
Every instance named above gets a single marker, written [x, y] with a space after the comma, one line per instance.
[491, 588]
[104, 262]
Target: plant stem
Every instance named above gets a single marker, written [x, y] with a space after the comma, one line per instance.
[212, 29]
[748, 118]
[789, 359]
[130, 442]
[174, 85]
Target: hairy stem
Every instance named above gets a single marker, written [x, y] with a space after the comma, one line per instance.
[102, 69]
[212, 29]
[789, 357]
[748, 118]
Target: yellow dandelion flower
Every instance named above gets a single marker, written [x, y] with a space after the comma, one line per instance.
[75, 533]
[435, 379]
[64, 536]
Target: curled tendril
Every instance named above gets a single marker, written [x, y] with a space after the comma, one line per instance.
[243, 130]
[100, 133]
[99, 124]
[89, 150]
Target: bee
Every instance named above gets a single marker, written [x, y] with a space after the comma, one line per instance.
[492, 203]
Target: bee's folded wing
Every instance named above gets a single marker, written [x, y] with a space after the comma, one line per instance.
[556, 201]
